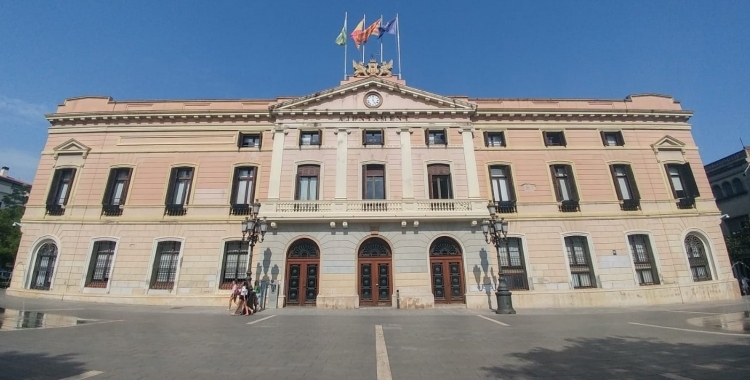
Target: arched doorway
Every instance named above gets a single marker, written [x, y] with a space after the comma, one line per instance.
[375, 273]
[697, 258]
[302, 268]
[446, 269]
[44, 266]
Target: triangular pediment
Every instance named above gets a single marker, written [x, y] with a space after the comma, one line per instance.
[72, 146]
[668, 143]
[394, 97]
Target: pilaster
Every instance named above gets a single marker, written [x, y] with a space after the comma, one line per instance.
[407, 177]
[467, 132]
[277, 158]
[342, 152]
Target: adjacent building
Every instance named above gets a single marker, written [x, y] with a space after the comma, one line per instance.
[374, 192]
[729, 182]
[8, 184]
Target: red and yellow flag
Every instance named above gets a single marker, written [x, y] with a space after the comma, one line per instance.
[358, 34]
[372, 30]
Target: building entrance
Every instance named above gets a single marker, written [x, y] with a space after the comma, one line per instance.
[303, 269]
[375, 271]
[446, 269]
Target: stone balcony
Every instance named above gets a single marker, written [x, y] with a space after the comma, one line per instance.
[375, 209]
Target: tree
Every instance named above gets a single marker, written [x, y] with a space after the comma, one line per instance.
[10, 235]
[738, 244]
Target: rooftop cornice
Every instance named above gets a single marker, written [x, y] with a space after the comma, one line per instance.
[157, 115]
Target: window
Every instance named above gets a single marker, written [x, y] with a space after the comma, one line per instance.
[44, 266]
[739, 188]
[372, 138]
[612, 138]
[165, 265]
[101, 264]
[554, 138]
[696, 252]
[373, 182]
[683, 184]
[308, 185]
[643, 259]
[435, 137]
[727, 189]
[309, 138]
[116, 191]
[580, 262]
[494, 139]
[565, 188]
[243, 190]
[249, 140]
[178, 193]
[440, 181]
[716, 189]
[625, 186]
[511, 261]
[59, 193]
[235, 263]
[502, 188]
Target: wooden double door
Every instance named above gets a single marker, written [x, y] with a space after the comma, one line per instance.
[446, 271]
[375, 280]
[303, 273]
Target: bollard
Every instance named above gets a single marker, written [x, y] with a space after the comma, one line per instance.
[398, 299]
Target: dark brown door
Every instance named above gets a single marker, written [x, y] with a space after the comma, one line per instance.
[447, 279]
[375, 282]
[302, 286]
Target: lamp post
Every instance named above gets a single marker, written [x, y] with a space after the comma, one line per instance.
[496, 233]
[253, 231]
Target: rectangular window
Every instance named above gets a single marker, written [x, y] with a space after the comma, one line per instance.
[165, 265]
[502, 188]
[59, 193]
[511, 260]
[682, 181]
[235, 263]
[249, 140]
[440, 181]
[554, 138]
[565, 188]
[612, 138]
[308, 185]
[182, 179]
[579, 259]
[116, 191]
[625, 187]
[309, 138]
[643, 259]
[435, 137]
[372, 138]
[373, 182]
[494, 139]
[101, 264]
[244, 186]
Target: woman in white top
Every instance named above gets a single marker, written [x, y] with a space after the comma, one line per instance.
[233, 296]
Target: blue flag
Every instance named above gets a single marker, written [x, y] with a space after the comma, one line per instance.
[389, 27]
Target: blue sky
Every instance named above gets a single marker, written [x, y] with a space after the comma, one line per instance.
[697, 51]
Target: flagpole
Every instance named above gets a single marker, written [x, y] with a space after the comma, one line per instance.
[381, 40]
[346, 46]
[364, 25]
[398, 44]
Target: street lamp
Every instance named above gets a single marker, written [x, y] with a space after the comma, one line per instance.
[496, 233]
[253, 230]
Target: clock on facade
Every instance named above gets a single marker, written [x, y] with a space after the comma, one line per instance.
[373, 100]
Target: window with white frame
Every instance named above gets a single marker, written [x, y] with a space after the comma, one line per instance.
[235, 263]
[165, 265]
[579, 259]
[643, 259]
[100, 266]
[698, 258]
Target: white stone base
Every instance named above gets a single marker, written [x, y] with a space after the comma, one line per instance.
[340, 301]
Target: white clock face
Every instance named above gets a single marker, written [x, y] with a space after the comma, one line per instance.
[373, 100]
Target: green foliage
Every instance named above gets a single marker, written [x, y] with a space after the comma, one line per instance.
[10, 235]
[738, 244]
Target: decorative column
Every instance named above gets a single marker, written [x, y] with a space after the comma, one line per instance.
[467, 132]
[342, 149]
[277, 157]
[407, 176]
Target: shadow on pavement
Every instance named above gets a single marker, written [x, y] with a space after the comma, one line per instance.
[20, 365]
[629, 358]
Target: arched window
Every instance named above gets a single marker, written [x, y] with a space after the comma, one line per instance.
[739, 188]
[304, 248]
[727, 187]
[44, 266]
[716, 189]
[445, 247]
[696, 252]
[374, 248]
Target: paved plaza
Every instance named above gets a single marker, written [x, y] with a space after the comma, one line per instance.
[41, 339]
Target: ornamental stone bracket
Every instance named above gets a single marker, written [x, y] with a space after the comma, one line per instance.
[373, 69]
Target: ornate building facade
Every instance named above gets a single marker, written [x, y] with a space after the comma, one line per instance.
[374, 193]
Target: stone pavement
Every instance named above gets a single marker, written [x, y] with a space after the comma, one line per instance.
[699, 341]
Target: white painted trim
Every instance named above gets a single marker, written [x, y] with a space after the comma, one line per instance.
[654, 253]
[152, 264]
[88, 263]
[31, 260]
[708, 244]
[592, 256]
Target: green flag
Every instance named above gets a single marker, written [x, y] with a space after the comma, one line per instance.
[341, 39]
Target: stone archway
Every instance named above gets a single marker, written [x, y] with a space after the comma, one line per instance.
[303, 273]
[375, 273]
[446, 271]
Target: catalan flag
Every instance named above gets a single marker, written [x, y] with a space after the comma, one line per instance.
[372, 30]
